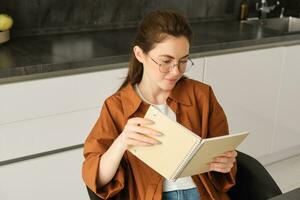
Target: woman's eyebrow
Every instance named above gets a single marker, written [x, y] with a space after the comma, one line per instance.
[169, 56]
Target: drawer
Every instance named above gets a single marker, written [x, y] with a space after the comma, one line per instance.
[56, 176]
[45, 97]
[47, 133]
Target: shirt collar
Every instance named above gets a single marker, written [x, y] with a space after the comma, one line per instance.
[131, 100]
[178, 94]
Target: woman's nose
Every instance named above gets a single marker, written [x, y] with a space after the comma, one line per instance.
[175, 69]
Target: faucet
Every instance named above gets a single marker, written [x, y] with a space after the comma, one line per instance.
[265, 9]
[282, 13]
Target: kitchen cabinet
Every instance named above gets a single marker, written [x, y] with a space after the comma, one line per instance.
[47, 97]
[196, 71]
[51, 177]
[287, 129]
[47, 114]
[247, 86]
[45, 133]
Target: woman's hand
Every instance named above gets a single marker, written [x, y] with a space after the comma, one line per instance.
[135, 133]
[224, 162]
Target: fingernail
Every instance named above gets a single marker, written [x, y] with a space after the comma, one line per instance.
[159, 134]
[150, 121]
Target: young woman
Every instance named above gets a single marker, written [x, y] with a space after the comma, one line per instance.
[160, 57]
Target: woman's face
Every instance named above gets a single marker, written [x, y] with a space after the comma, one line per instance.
[170, 52]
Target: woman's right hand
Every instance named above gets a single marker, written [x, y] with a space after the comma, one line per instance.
[135, 133]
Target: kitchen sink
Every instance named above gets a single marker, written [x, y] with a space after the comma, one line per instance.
[284, 25]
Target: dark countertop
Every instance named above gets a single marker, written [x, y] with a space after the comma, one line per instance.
[32, 57]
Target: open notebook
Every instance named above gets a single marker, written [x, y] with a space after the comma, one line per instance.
[182, 152]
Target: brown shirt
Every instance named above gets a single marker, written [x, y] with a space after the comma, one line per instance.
[196, 108]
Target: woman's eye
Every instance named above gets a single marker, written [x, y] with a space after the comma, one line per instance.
[183, 61]
[166, 61]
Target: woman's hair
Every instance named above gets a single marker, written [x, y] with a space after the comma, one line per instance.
[153, 29]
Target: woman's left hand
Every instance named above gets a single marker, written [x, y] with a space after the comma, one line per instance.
[224, 162]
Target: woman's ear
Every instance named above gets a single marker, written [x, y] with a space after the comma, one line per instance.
[139, 54]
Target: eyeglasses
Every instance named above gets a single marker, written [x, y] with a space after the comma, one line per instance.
[167, 65]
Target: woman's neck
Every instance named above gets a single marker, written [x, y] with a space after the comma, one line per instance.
[153, 94]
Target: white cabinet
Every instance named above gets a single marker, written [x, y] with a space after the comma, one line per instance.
[45, 97]
[196, 72]
[48, 114]
[287, 126]
[45, 133]
[247, 86]
[56, 176]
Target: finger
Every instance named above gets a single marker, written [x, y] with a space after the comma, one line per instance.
[145, 130]
[222, 170]
[220, 159]
[142, 138]
[215, 165]
[230, 154]
[223, 159]
[140, 121]
[133, 142]
[220, 167]
[130, 141]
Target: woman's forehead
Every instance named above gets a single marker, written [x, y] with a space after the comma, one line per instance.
[176, 47]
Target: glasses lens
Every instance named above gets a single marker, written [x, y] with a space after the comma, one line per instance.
[165, 68]
[185, 66]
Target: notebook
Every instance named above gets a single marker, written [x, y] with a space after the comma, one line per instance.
[181, 152]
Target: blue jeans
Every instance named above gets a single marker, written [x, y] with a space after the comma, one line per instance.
[189, 194]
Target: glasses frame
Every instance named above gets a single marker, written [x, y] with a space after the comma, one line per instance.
[173, 65]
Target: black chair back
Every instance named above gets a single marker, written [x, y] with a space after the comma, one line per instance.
[253, 181]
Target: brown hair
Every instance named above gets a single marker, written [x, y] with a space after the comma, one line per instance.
[152, 30]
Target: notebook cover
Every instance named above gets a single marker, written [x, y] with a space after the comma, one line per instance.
[177, 142]
[210, 148]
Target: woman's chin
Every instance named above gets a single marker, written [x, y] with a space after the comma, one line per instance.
[168, 85]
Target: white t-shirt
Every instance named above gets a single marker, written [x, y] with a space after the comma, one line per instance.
[180, 183]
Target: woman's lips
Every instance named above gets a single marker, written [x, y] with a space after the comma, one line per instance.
[171, 80]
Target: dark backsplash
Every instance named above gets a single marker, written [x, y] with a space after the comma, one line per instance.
[53, 16]
[33, 17]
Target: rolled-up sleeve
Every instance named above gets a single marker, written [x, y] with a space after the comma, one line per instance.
[218, 126]
[99, 140]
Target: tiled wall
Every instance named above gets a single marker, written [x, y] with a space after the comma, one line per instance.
[48, 16]
[78, 14]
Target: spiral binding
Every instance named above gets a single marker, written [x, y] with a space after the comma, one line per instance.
[186, 159]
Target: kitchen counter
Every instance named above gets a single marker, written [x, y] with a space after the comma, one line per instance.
[32, 57]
